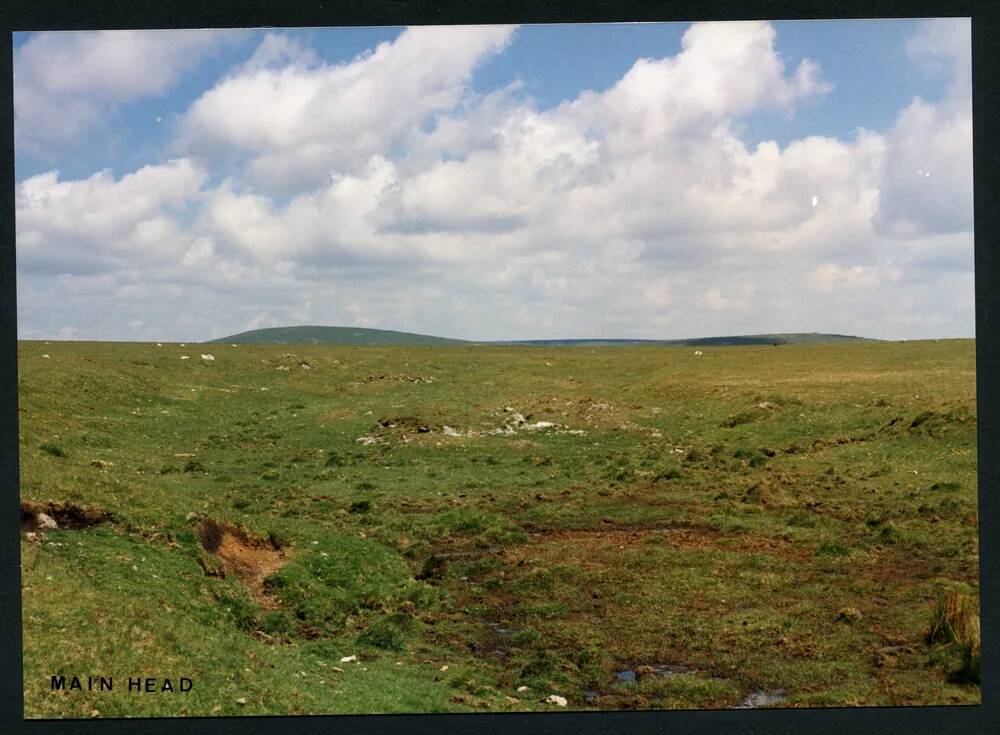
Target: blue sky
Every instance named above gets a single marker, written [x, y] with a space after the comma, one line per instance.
[253, 139]
[865, 60]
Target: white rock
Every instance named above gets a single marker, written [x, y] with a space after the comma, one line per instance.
[556, 699]
[538, 425]
[523, 688]
[183, 345]
[46, 521]
[185, 357]
[348, 659]
[448, 431]
[698, 352]
[282, 367]
[31, 535]
[208, 358]
[306, 366]
[159, 344]
[46, 357]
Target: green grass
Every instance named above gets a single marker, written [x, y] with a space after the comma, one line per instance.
[713, 513]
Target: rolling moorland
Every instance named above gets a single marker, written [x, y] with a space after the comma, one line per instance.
[441, 528]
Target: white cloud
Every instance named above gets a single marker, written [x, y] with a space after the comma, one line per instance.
[927, 183]
[384, 192]
[68, 82]
[297, 123]
[98, 222]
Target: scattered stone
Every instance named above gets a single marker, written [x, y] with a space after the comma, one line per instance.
[449, 431]
[698, 352]
[348, 659]
[538, 425]
[46, 521]
[241, 700]
[337, 669]
[208, 358]
[763, 699]
[185, 357]
[305, 366]
[444, 668]
[159, 344]
[282, 367]
[31, 535]
[556, 699]
[523, 688]
[46, 357]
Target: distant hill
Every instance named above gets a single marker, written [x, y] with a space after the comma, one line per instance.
[378, 337]
[333, 336]
[749, 339]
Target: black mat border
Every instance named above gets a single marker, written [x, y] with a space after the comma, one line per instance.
[66, 15]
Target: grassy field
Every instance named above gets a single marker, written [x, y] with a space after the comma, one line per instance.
[621, 527]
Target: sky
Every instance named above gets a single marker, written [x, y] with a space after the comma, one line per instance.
[497, 182]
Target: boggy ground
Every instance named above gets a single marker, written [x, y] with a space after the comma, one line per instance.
[622, 527]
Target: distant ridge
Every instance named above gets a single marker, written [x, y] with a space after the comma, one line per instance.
[310, 335]
[385, 337]
[799, 338]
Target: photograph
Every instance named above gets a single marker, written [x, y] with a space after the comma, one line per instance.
[538, 368]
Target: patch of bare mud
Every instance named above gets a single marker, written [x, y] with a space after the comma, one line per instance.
[38, 517]
[243, 555]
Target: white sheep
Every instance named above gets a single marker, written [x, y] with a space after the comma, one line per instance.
[698, 352]
[208, 358]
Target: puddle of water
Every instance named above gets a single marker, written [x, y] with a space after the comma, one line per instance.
[763, 699]
[626, 677]
[503, 633]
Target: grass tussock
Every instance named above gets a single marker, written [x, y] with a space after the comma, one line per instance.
[956, 622]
